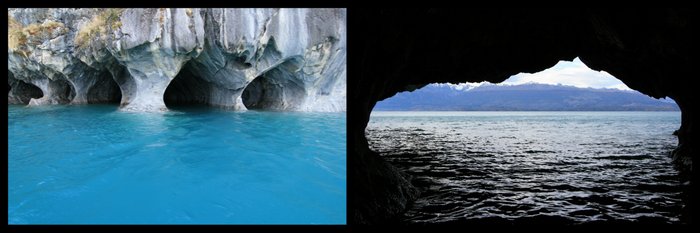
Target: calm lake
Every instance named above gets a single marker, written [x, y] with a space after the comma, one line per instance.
[95, 164]
[567, 167]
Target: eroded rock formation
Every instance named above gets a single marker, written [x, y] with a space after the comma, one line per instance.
[284, 59]
[20, 92]
[398, 50]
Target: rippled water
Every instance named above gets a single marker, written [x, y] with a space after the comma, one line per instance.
[95, 164]
[566, 167]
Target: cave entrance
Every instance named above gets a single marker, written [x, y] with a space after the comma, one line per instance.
[187, 90]
[105, 90]
[22, 92]
[280, 88]
[64, 90]
[58, 91]
[255, 96]
[567, 86]
[556, 150]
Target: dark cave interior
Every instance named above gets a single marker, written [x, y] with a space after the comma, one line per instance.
[648, 50]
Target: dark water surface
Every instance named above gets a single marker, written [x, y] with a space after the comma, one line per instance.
[567, 167]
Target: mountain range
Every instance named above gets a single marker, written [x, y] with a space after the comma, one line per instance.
[523, 97]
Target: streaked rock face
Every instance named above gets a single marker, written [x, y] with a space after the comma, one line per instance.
[277, 59]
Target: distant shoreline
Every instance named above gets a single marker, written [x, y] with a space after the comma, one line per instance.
[525, 97]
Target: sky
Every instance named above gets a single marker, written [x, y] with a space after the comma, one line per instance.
[571, 73]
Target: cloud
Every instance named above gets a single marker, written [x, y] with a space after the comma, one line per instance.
[573, 73]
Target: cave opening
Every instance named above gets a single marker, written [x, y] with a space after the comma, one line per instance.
[566, 86]
[187, 90]
[23, 92]
[65, 92]
[254, 94]
[58, 91]
[280, 88]
[104, 91]
[567, 144]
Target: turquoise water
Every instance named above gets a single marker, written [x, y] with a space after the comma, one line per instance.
[535, 167]
[98, 165]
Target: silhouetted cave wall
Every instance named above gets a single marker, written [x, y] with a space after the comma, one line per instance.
[398, 50]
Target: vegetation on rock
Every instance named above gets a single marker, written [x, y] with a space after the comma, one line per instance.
[99, 27]
[18, 36]
[15, 37]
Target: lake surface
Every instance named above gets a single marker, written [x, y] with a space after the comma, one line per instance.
[510, 167]
[95, 164]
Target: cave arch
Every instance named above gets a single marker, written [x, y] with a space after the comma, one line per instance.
[105, 90]
[64, 90]
[187, 89]
[20, 92]
[55, 91]
[440, 156]
[279, 88]
[650, 50]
